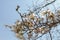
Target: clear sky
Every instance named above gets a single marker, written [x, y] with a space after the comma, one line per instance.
[8, 15]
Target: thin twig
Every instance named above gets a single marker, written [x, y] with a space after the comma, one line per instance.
[39, 8]
[20, 15]
[50, 35]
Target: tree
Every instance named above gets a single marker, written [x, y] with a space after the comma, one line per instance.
[36, 26]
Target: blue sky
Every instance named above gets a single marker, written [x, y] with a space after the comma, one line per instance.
[8, 15]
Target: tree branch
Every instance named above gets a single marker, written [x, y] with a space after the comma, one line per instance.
[39, 8]
[50, 35]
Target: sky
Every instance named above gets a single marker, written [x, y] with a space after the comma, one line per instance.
[8, 15]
